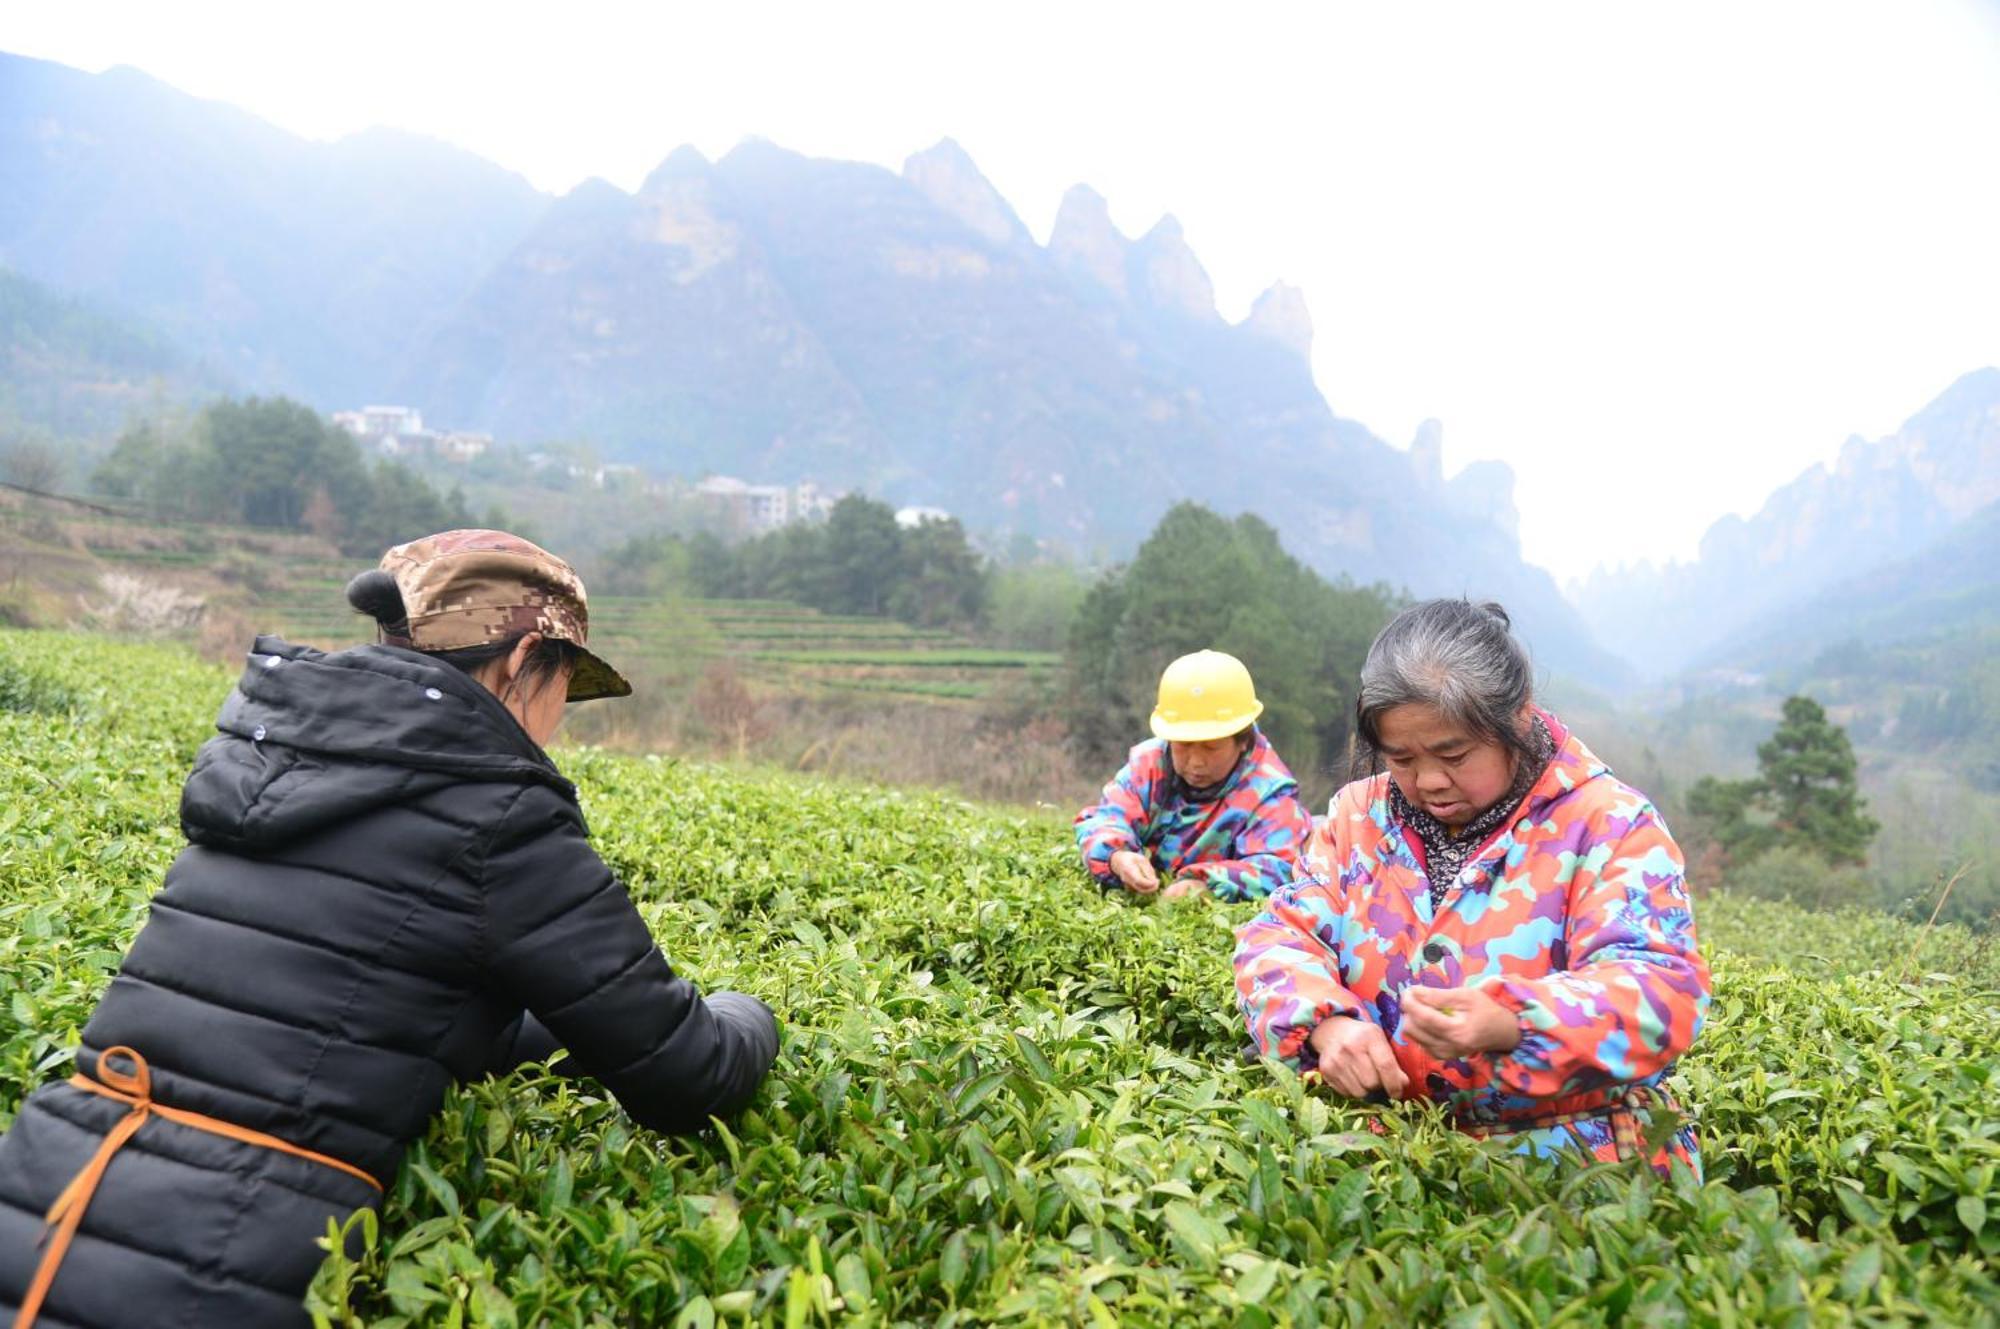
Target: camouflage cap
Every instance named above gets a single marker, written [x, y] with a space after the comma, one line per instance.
[475, 588]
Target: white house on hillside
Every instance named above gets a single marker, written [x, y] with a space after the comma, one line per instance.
[398, 431]
[756, 509]
[463, 447]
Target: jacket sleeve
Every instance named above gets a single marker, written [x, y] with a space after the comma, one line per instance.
[1116, 821]
[1634, 989]
[1267, 852]
[565, 940]
[524, 1040]
[1288, 960]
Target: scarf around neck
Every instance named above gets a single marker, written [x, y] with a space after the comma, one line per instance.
[1445, 853]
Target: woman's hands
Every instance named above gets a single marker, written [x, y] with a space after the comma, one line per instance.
[1133, 869]
[1458, 1022]
[1355, 1058]
[1139, 876]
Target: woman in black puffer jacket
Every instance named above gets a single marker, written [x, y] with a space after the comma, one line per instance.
[387, 888]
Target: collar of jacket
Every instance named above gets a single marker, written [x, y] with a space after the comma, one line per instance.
[310, 740]
[384, 705]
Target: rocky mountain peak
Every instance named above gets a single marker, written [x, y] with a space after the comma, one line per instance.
[947, 176]
[683, 163]
[1484, 492]
[1173, 277]
[1427, 454]
[1281, 315]
[1085, 241]
[593, 196]
[1879, 501]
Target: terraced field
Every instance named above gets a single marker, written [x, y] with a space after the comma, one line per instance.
[773, 643]
[791, 647]
[292, 584]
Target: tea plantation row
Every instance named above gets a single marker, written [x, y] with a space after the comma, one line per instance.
[1002, 1099]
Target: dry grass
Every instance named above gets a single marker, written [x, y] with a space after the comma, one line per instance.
[993, 753]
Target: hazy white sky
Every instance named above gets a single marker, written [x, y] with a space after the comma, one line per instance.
[1658, 257]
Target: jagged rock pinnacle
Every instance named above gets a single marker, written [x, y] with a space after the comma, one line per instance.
[947, 176]
[1427, 454]
[1281, 315]
[1174, 277]
[1085, 241]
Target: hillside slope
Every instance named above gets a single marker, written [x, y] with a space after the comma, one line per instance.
[1949, 587]
[1881, 503]
[294, 266]
[1003, 1098]
[73, 368]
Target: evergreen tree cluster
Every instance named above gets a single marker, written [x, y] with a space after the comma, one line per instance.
[269, 461]
[857, 561]
[1201, 581]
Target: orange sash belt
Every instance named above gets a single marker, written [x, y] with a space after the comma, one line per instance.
[135, 1089]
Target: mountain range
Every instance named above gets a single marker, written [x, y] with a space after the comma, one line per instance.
[1894, 538]
[768, 314]
[781, 318]
[284, 264]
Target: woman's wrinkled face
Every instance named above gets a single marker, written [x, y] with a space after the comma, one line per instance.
[1440, 766]
[1202, 764]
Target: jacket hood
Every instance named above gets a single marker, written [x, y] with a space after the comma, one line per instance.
[309, 738]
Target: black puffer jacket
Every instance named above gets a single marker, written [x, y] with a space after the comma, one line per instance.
[384, 872]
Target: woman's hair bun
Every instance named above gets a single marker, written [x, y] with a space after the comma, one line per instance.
[376, 594]
[1491, 609]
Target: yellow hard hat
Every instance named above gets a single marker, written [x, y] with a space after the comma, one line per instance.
[1205, 695]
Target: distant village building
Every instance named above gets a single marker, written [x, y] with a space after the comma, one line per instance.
[755, 509]
[751, 508]
[917, 515]
[616, 476]
[463, 447]
[397, 420]
[398, 431]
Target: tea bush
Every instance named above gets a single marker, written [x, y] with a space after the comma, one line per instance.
[1003, 1099]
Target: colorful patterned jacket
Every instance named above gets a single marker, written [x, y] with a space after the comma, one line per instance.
[1245, 842]
[1574, 916]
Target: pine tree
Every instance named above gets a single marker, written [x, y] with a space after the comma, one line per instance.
[1808, 774]
[1804, 796]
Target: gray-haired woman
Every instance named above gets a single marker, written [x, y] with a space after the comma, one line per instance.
[1493, 921]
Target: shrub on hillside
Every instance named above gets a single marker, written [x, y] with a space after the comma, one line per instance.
[1789, 872]
[858, 561]
[1201, 581]
[268, 461]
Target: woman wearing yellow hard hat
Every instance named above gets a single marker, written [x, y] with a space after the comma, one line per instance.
[1205, 807]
